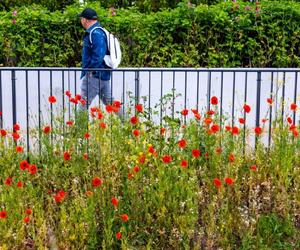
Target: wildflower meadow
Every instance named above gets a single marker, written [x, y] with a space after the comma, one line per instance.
[189, 181]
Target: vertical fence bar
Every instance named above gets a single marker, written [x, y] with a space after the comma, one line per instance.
[149, 101]
[233, 100]
[39, 111]
[75, 90]
[258, 90]
[161, 94]
[123, 94]
[283, 96]
[271, 109]
[63, 103]
[295, 96]
[137, 86]
[221, 101]
[1, 107]
[208, 89]
[198, 82]
[173, 96]
[14, 105]
[185, 93]
[69, 88]
[245, 101]
[51, 107]
[27, 113]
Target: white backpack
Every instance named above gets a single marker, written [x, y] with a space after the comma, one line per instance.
[114, 59]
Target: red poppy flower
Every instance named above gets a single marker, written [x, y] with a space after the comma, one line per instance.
[15, 136]
[28, 211]
[19, 149]
[117, 104]
[3, 132]
[19, 184]
[47, 129]
[229, 181]
[73, 100]
[270, 101]
[114, 201]
[162, 131]
[78, 97]
[68, 93]
[130, 176]
[289, 120]
[24, 165]
[296, 133]
[167, 159]
[247, 108]
[86, 135]
[210, 112]
[3, 214]
[97, 182]
[151, 150]
[142, 158]
[99, 115]
[16, 127]
[124, 217]
[294, 106]
[70, 123]
[67, 156]
[253, 167]
[264, 120]
[198, 116]
[292, 127]
[208, 120]
[32, 169]
[228, 128]
[8, 181]
[231, 157]
[136, 132]
[182, 143]
[195, 111]
[214, 100]
[184, 164]
[217, 182]
[235, 130]
[196, 153]
[134, 120]
[109, 108]
[241, 120]
[26, 220]
[136, 169]
[215, 128]
[85, 156]
[52, 99]
[258, 130]
[218, 150]
[139, 107]
[185, 112]
[119, 235]
[102, 125]
[59, 196]
[83, 102]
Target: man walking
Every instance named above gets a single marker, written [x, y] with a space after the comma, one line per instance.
[94, 49]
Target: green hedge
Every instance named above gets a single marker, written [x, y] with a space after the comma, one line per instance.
[223, 35]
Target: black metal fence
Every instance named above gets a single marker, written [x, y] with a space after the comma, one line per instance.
[24, 93]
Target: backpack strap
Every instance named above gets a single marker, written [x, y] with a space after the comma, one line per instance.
[97, 27]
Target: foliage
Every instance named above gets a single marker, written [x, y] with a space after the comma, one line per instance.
[130, 183]
[224, 35]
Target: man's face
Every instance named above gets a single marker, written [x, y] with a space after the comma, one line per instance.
[84, 22]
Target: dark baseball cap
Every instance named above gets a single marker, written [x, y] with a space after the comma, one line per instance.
[88, 13]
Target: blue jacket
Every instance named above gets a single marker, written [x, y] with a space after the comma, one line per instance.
[93, 53]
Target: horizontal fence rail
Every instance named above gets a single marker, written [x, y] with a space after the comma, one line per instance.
[24, 94]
